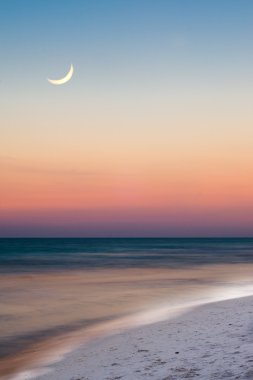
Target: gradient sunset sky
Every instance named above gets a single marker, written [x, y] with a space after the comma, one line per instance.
[153, 136]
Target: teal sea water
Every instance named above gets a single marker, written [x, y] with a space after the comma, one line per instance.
[28, 255]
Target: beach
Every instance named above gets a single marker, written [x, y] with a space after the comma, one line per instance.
[213, 341]
[66, 304]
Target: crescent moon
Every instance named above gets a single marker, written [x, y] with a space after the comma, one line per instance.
[65, 79]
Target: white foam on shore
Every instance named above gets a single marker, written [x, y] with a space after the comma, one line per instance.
[166, 312]
[158, 313]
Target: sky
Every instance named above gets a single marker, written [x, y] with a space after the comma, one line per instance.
[153, 134]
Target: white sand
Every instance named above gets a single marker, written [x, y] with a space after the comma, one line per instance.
[213, 341]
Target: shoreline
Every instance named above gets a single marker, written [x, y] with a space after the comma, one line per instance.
[98, 304]
[203, 342]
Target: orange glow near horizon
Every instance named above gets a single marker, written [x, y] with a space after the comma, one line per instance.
[159, 179]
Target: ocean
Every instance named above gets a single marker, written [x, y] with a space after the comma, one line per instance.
[57, 292]
[34, 255]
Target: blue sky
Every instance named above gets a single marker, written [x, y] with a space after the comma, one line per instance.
[129, 35]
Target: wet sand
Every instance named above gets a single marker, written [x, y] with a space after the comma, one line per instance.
[43, 315]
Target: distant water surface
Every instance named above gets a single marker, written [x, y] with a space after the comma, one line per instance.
[24, 255]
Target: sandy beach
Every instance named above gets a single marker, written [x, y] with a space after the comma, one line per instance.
[213, 341]
[48, 315]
